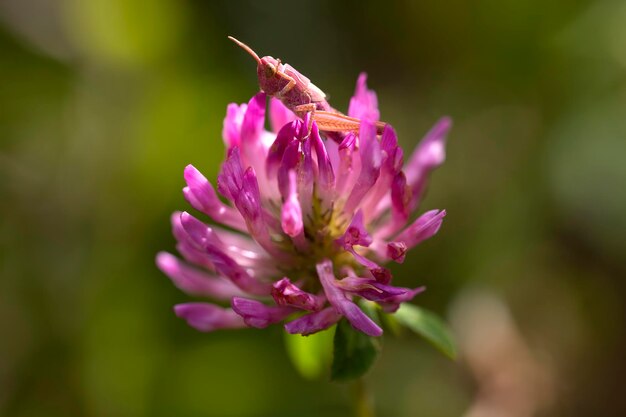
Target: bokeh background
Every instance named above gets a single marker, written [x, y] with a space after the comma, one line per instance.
[104, 102]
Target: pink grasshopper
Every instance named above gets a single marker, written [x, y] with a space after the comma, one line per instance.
[301, 96]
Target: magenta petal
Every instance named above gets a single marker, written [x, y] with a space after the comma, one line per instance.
[400, 198]
[426, 226]
[389, 145]
[279, 115]
[177, 228]
[355, 234]
[291, 215]
[337, 298]
[197, 231]
[325, 173]
[253, 120]
[369, 149]
[208, 317]
[371, 289]
[256, 314]
[232, 124]
[193, 281]
[291, 218]
[375, 201]
[431, 151]
[230, 177]
[205, 238]
[346, 164]
[286, 135]
[364, 104]
[193, 255]
[397, 251]
[243, 190]
[201, 195]
[287, 294]
[249, 199]
[313, 322]
[306, 176]
[391, 304]
[255, 141]
[429, 154]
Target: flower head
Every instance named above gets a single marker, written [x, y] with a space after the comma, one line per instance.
[304, 225]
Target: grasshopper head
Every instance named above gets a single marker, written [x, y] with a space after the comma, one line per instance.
[267, 71]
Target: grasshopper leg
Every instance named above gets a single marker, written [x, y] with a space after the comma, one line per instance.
[291, 84]
[337, 122]
[307, 108]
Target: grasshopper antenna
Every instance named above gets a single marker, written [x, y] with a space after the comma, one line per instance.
[247, 49]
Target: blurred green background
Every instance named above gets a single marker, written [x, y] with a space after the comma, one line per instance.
[103, 103]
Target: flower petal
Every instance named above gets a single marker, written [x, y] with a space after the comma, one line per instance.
[375, 201]
[348, 164]
[337, 298]
[287, 294]
[256, 314]
[325, 174]
[426, 226]
[313, 322]
[391, 304]
[286, 135]
[355, 234]
[369, 150]
[208, 317]
[279, 115]
[429, 154]
[204, 237]
[231, 131]
[364, 104]
[193, 281]
[201, 195]
[253, 121]
[373, 290]
[397, 251]
[291, 214]
[255, 141]
[243, 190]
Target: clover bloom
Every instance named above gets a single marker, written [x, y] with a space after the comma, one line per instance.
[304, 225]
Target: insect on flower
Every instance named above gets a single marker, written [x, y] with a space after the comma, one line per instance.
[302, 97]
[308, 223]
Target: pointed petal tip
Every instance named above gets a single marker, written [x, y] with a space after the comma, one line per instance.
[445, 122]
[165, 261]
[177, 309]
[207, 317]
[185, 310]
[192, 175]
[175, 216]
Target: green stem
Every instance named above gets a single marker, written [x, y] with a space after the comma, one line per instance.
[363, 400]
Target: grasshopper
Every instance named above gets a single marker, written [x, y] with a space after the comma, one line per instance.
[301, 96]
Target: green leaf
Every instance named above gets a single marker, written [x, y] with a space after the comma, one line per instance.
[310, 355]
[354, 353]
[428, 325]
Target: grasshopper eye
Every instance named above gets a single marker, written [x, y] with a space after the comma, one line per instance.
[270, 71]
